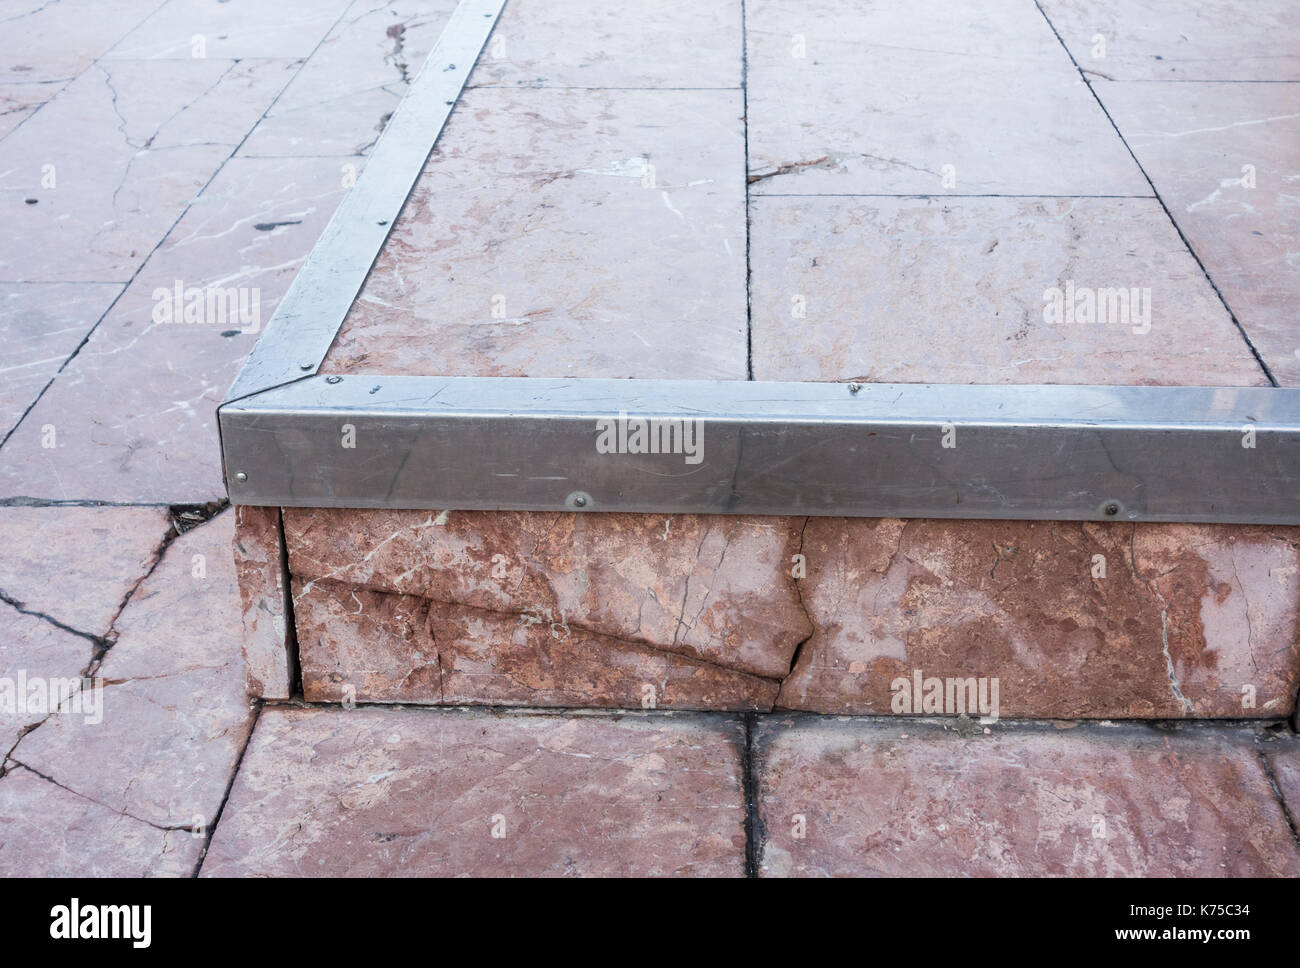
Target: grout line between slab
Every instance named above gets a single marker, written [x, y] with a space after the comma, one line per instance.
[1083, 74]
[230, 785]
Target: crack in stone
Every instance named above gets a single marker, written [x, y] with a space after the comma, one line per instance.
[1154, 587]
[99, 803]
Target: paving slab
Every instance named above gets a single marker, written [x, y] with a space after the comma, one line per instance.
[566, 233]
[1225, 158]
[54, 42]
[18, 101]
[861, 798]
[931, 97]
[41, 324]
[590, 44]
[78, 564]
[32, 652]
[343, 96]
[158, 134]
[174, 711]
[122, 437]
[1066, 620]
[370, 792]
[47, 831]
[1160, 40]
[196, 29]
[967, 290]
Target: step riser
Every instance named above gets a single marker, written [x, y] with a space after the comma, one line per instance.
[832, 615]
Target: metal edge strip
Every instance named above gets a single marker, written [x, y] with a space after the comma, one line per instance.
[299, 334]
[1195, 454]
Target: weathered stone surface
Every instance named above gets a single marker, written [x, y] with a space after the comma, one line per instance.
[49, 42]
[263, 597]
[291, 28]
[1283, 755]
[135, 411]
[358, 645]
[591, 44]
[953, 291]
[41, 324]
[33, 648]
[1224, 157]
[871, 98]
[158, 136]
[538, 243]
[175, 712]
[340, 100]
[371, 792]
[1152, 40]
[77, 564]
[914, 799]
[717, 588]
[47, 831]
[1189, 620]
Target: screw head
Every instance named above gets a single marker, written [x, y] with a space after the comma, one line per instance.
[241, 477]
[334, 379]
[854, 387]
[305, 365]
[580, 501]
[1111, 509]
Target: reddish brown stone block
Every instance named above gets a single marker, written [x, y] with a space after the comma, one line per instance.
[259, 565]
[376, 647]
[1188, 620]
[714, 588]
[391, 792]
[844, 797]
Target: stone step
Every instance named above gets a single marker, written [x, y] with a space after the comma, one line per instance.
[865, 616]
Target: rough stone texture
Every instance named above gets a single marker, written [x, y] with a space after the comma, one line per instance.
[122, 437]
[538, 243]
[886, 95]
[1155, 40]
[30, 648]
[41, 324]
[370, 792]
[375, 647]
[175, 713]
[263, 597]
[1185, 618]
[1283, 755]
[156, 141]
[1196, 141]
[77, 565]
[912, 799]
[717, 588]
[952, 291]
[340, 100]
[238, 30]
[594, 44]
[48, 831]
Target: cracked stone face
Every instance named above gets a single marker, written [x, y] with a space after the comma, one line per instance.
[1070, 620]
